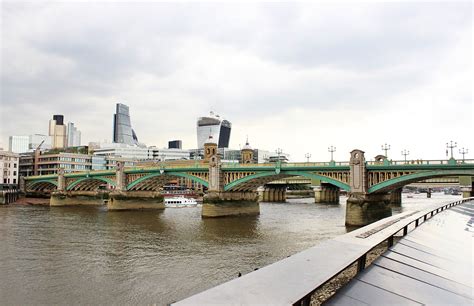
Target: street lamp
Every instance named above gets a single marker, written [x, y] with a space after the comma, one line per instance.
[450, 145]
[386, 148]
[463, 152]
[307, 155]
[279, 151]
[332, 150]
[405, 153]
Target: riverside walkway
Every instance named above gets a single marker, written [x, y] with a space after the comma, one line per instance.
[431, 265]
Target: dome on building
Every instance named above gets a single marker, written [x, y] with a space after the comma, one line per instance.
[247, 146]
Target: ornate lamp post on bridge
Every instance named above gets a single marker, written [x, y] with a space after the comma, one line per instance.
[332, 150]
[463, 152]
[450, 145]
[405, 153]
[307, 155]
[278, 151]
[386, 148]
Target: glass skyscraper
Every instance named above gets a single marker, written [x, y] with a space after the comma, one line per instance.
[123, 132]
[213, 125]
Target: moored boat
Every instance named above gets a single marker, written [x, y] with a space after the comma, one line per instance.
[179, 201]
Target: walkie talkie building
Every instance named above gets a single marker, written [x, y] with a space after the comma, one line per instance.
[123, 132]
[215, 127]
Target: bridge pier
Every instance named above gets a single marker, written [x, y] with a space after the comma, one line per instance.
[326, 194]
[8, 196]
[73, 198]
[396, 197]
[135, 200]
[363, 209]
[272, 194]
[230, 203]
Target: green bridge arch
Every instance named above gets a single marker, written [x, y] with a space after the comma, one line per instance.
[415, 177]
[289, 173]
[93, 178]
[180, 174]
[53, 182]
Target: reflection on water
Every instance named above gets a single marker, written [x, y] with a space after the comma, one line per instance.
[86, 255]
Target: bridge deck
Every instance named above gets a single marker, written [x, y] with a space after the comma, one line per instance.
[431, 265]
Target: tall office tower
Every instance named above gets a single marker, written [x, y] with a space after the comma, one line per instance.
[73, 135]
[175, 144]
[57, 131]
[123, 132]
[18, 144]
[215, 127]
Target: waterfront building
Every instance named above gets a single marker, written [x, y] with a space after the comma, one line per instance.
[110, 162]
[213, 126]
[27, 164]
[141, 153]
[169, 154]
[123, 132]
[57, 132]
[9, 167]
[73, 135]
[175, 144]
[18, 144]
[70, 162]
[123, 150]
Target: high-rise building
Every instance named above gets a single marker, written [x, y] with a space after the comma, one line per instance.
[57, 131]
[215, 127]
[175, 144]
[123, 132]
[73, 135]
[18, 144]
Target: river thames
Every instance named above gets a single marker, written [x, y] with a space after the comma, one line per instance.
[87, 255]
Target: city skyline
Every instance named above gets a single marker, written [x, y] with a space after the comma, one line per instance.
[382, 73]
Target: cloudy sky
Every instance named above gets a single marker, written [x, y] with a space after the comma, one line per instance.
[300, 77]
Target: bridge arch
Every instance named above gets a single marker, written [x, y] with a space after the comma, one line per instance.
[98, 180]
[286, 174]
[401, 181]
[157, 174]
[42, 185]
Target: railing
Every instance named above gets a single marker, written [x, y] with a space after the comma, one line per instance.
[421, 162]
[293, 280]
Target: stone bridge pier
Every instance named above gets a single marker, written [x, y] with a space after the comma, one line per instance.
[218, 202]
[63, 197]
[272, 194]
[467, 186]
[363, 208]
[326, 193]
[121, 199]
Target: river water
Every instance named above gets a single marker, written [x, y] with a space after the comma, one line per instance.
[86, 255]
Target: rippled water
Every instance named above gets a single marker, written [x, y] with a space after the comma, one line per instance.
[80, 255]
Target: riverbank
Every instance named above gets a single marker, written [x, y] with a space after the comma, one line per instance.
[329, 289]
[31, 201]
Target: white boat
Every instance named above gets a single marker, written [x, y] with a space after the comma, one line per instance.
[180, 201]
